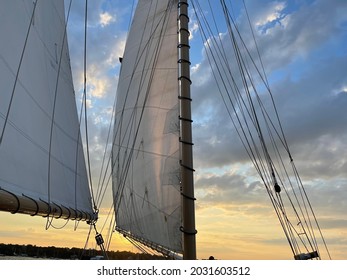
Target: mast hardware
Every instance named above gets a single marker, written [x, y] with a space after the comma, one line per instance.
[307, 256]
[187, 167]
[277, 188]
[184, 61]
[186, 142]
[99, 239]
[185, 119]
[185, 98]
[184, 77]
[179, 46]
[189, 197]
[187, 232]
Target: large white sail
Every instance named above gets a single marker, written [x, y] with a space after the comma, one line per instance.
[42, 167]
[146, 170]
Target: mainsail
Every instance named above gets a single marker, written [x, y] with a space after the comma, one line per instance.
[146, 149]
[42, 166]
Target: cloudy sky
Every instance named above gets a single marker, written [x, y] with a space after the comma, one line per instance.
[303, 46]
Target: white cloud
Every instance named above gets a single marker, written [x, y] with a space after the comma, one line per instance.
[193, 28]
[272, 12]
[106, 19]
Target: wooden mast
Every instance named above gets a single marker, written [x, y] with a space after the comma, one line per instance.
[187, 180]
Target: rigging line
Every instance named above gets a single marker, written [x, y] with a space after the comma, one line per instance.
[208, 47]
[17, 74]
[316, 221]
[155, 59]
[286, 220]
[31, 140]
[309, 226]
[296, 198]
[77, 150]
[119, 128]
[54, 105]
[242, 70]
[268, 156]
[114, 116]
[111, 228]
[239, 99]
[283, 139]
[34, 101]
[203, 34]
[279, 216]
[138, 245]
[101, 184]
[87, 241]
[99, 189]
[291, 228]
[299, 219]
[85, 101]
[129, 160]
[263, 110]
[238, 96]
[256, 44]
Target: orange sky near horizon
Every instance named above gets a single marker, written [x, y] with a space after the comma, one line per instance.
[237, 237]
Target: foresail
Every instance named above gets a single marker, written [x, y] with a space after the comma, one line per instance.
[42, 167]
[145, 154]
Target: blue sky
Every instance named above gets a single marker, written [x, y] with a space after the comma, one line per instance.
[303, 48]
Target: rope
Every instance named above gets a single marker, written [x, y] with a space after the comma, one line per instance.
[53, 112]
[85, 101]
[247, 122]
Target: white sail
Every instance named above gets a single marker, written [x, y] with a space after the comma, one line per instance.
[41, 154]
[146, 170]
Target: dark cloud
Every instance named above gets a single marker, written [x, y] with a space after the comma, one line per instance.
[309, 96]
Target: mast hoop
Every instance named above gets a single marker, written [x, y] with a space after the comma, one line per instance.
[185, 98]
[185, 78]
[187, 196]
[186, 142]
[181, 3]
[188, 232]
[182, 15]
[184, 61]
[180, 46]
[184, 29]
[187, 167]
[184, 119]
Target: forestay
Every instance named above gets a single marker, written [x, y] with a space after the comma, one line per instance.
[146, 170]
[42, 167]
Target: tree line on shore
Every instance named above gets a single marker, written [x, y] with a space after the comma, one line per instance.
[52, 252]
